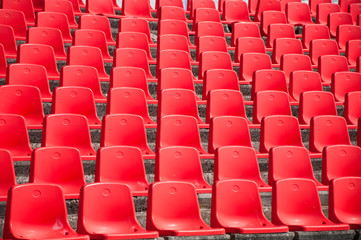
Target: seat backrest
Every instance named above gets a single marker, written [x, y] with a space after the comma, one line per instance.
[248, 45]
[200, 4]
[298, 12]
[219, 79]
[263, 6]
[324, 9]
[268, 79]
[175, 78]
[355, 10]
[344, 4]
[15, 19]
[331, 64]
[235, 11]
[252, 63]
[173, 59]
[346, 33]
[97, 7]
[303, 81]
[213, 60]
[315, 3]
[140, 9]
[352, 111]
[314, 31]
[55, 20]
[97, 22]
[279, 30]
[173, 27]
[353, 51]
[271, 17]
[135, 25]
[25, 6]
[62, 6]
[208, 28]
[159, 4]
[211, 43]
[294, 62]
[205, 15]
[345, 82]
[336, 19]
[134, 40]
[284, 46]
[7, 39]
[244, 29]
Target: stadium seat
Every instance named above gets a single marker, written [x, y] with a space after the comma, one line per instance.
[106, 210]
[7, 39]
[68, 130]
[173, 210]
[55, 20]
[58, 165]
[344, 4]
[263, 6]
[211, 43]
[279, 131]
[237, 206]
[355, 10]
[303, 81]
[343, 207]
[97, 22]
[248, 45]
[352, 110]
[76, 100]
[353, 51]
[271, 17]
[129, 100]
[331, 64]
[23, 100]
[321, 47]
[82, 76]
[296, 203]
[48, 36]
[298, 13]
[134, 40]
[32, 75]
[238, 162]
[197, 4]
[219, 79]
[8, 178]
[345, 82]
[135, 25]
[268, 79]
[284, 46]
[171, 10]
[208, 28]
[181, 163]
[25, 6]
[285, 2]
[15, 19]
[268, 103]
[235, 11]
[205, 15]
[251, 63]
[323, 10]
[291, 162]
[228, 131]
[279, 30]
[174, 27]
[213, 60]
[327, 131]
[105, 8]
[122, 164]
[179, 130]
[346, 33]
[130, 77]
[88, 56]
[173, 59]
[62, 6]
[137, 9]
[294, 62]
[244, 29]
[173, 41]
[336, 19]
[315, 103]
[314, 3]
[314, 31]
[125, 130]
[46, 201]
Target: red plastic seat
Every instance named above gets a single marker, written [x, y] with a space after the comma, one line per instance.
[248, 45]
[331, 64]
[32, 75]
[126, 130]
[55, 20]
[62, 6]
[285, 2]
[219, 79]
[7, 39]
[82, 76]
[296, 203]
[352, 110]
[179, 130]
[41, 55]
[315, 103]
[177, 101]
[133, 77]
[279, 30]
[321, 47]
[173, 59]
[76, 100]
[93, 38]
[173, 27]
[137, 9]
[244, 29]
[284, 46]
[298, 13]
[46, 201]
[294, 62]
[173, 210]
[228, 131]
[303, 81]
[314, 31]
[263, 6]
[106, 210]
[355, 10]
[58, 165]
[235, 11]
[128, 100]
[291, 162]
[237, 206]
[68, 130]
[268, 79]
[279, 131]
[172, 13]
[173, 41]
[76, 6]
[211, 43]
[344, 4]
[213, 60]
[345, 82]
[271, 17]
[343, 204]
[346, 33]
[25, 6]
[8, 178]
[48, 36]
[324, 9]
[25, 101]
[176, 78]
[353, 51]
[208, 28]
[340, 161]
[337, 19]
[327, 131]
[200, 4]
[15, 19]
[181, 164]
[132, 57]
[87, 56]
[314, 4]
[135, 25]
[160, 4]
[134, 40]
[105, 8]
[253, 62]
[268, 103]
[122, 164]
[225, 102]
[97, 22]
